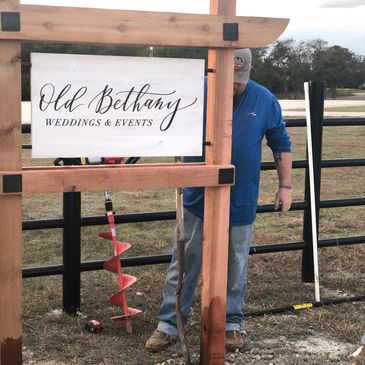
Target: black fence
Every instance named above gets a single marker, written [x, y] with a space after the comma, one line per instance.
[72, 220]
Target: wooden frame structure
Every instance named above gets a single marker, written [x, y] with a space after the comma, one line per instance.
[221, 32]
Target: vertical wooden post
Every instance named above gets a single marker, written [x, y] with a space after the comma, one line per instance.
[10, 205]
[216, 210]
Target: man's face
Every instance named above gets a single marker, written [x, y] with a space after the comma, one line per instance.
[238, 88]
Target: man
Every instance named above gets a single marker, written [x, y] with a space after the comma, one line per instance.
[256, 114]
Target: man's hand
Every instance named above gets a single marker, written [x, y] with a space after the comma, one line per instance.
[283, 197]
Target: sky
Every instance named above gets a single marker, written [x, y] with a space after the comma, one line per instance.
[339, 22]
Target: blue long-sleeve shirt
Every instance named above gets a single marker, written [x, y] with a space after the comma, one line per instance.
[258, 114]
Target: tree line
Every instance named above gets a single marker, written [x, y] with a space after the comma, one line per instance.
[282, 67]
[286, 65]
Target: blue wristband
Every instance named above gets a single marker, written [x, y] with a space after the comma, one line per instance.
[284, 186]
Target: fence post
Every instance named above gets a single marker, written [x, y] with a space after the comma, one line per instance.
[71, 252]
[316, 100]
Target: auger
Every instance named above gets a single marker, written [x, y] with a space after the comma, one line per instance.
[114, 265]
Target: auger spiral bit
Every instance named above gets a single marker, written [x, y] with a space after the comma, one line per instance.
[114, 265]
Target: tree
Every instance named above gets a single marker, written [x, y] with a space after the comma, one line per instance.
[286, 65]
[359, 72]
[336, 66]
[281, 57]
[299, 70]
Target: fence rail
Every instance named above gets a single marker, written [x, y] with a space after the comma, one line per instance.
[171, 215]
[72, 220]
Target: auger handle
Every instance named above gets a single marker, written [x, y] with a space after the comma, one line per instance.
[108, 202]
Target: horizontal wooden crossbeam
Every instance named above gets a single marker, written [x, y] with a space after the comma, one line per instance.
[36, 180]
[61, 24]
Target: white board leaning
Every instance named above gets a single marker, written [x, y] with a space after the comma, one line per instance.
[85, 106]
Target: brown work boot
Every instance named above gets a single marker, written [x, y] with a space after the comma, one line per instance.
[159, 341]
[234, 340]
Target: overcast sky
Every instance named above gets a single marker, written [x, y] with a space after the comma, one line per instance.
[339, 22]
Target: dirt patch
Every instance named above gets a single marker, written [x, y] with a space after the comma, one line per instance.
[325, 335]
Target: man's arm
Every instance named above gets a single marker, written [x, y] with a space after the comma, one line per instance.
[283, 161]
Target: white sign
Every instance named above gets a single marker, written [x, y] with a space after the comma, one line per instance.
[84, 106]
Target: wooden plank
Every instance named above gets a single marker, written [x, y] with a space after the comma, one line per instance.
[61, 24]
[216, 208]
[10, 206]
[85, 178]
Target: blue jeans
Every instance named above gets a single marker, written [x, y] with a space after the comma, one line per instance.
[239, 247]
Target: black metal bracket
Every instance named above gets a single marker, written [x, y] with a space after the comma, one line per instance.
[226, 176]
[10, 21]
[230, 31]
[12, 183]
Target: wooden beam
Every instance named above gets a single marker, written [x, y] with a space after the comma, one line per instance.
[86, 178]
[62, 24]
[217, 199]
[10, 206]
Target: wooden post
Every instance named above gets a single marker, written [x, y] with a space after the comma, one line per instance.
[10, 212]
[216, 215]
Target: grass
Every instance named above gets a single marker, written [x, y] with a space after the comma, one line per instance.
[275, 279]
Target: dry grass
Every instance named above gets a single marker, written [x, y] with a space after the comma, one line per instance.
[54, 338]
